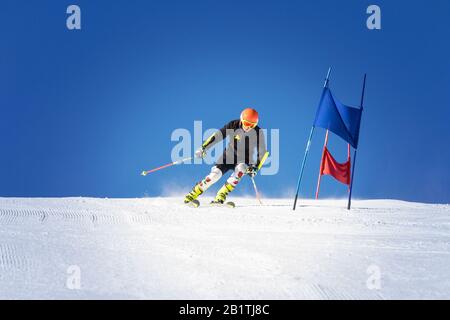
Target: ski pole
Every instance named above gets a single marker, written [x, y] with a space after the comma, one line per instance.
[144, 173]
[256, 191]
[264, 158]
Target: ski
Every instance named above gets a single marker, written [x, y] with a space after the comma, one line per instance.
[193, 203]
[228, 204]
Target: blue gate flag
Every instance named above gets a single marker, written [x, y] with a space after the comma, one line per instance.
[338, 118]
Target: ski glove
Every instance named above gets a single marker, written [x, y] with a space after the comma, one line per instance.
[200, 153]
[252, 170]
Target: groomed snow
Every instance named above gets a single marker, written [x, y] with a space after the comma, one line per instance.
[156, 248]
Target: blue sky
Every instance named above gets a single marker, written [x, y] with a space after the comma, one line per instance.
[84, 112]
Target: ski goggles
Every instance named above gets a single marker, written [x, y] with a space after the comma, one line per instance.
[248, 124]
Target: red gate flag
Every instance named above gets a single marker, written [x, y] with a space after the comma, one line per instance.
[340, 171]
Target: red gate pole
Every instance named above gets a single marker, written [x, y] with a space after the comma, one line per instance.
[321, 165]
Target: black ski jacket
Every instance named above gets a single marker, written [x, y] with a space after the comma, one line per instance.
[241, 146]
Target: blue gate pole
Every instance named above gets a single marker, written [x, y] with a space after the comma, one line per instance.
[351, 181]
[354, 152]
[303, 166]
[308, 145]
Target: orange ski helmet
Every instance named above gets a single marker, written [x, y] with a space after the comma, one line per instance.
[249, 118]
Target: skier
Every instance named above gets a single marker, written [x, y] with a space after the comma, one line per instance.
[245, 136]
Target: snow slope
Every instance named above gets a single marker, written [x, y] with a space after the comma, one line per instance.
[156, 248]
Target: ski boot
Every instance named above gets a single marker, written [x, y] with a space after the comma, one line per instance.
[191, 197]
[222, 195]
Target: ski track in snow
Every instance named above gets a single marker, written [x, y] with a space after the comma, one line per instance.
[156, 248]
